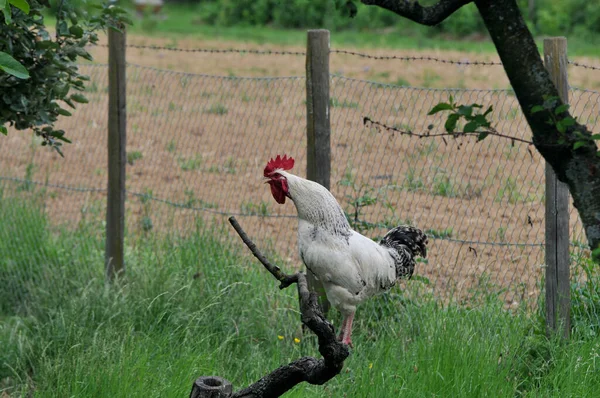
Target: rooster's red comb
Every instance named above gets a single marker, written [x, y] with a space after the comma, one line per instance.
[279, 162]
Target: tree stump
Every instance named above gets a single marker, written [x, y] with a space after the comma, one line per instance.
[211, 387]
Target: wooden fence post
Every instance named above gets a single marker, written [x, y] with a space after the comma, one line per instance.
[117, 123]
[318, 127]
[558, 299]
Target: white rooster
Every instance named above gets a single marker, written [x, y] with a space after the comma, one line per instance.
[351, 266]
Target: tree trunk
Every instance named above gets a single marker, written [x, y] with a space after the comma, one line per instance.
[580, 168]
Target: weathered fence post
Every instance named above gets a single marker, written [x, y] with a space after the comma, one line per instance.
[117, 123]
[211, 387]
[558, 300]
[318, 127]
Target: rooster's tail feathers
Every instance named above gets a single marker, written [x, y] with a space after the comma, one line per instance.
[406, 242]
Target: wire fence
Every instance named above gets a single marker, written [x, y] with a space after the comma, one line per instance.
[197, 144]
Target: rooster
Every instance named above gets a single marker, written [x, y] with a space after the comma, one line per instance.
[350, 266]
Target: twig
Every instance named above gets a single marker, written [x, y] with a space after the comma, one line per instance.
[286, 280]
[490, 131]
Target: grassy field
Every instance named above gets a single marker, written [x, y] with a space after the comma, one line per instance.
[196, 306]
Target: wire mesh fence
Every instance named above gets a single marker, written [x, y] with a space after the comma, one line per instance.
[197, 145]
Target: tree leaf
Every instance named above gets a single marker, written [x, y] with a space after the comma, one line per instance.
[79, 98]
[596, 137]
[568, 121]
[76, 31]
[560, 127]
[536, 109]
[481, 120]
[3, 130]
[482, 135]
[471, 126]
[442, 106]
[13, 67]
[6, 11]
[465, 110]
[63, 112]
[578, 144]
[596, 252]
[450, 124]
[488, 110]
[21, 5]
[561, 108]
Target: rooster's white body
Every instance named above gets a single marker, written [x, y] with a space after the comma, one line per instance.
[350, 266]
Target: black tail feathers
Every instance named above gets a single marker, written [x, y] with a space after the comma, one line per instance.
[407, 243]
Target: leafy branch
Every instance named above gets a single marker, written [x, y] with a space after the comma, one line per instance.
[477, 123]
[39, 77]
[562, 123]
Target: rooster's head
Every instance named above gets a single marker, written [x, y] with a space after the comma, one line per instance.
[278, 183]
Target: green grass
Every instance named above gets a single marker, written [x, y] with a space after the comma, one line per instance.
[190, 164]
[217, 109]
[134, 156]
[193, 305]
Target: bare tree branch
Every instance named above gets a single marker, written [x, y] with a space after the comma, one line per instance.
[412, 10]
[306, 369]
[286, 280]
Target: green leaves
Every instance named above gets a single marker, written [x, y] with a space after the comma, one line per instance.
[34, 100]
[475, 122]
[7, 63]
[79, 98]
[451, 121]
[536, 109]
[554, 109]
[5, 7]
[441, 107]
[596, 254]
[21, 5]
[13, 67]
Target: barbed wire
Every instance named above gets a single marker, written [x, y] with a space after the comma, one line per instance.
[418, 58]
[332, 51]
[212, 50]
[574, 63]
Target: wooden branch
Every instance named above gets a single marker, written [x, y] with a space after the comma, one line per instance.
[412, 10]
[306, 369]
[490, 131]
[286, 280]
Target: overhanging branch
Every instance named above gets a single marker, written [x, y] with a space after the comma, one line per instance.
[431, 15]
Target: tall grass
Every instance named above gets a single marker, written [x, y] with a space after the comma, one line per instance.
[193, 305]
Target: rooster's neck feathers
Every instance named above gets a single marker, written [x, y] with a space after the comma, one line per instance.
[317, 205]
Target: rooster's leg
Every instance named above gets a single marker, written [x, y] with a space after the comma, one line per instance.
[347, 329]
[344, 322]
